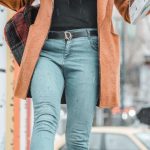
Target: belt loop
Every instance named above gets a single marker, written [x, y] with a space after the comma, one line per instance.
[88, 33]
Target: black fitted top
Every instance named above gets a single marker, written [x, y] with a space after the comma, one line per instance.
[71, 14]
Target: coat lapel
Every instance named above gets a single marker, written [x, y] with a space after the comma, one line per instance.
[34, 43]
[101, 10]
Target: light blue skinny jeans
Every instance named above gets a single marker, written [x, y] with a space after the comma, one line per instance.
[72, 64]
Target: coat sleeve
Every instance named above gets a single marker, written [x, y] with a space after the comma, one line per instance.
[14, 4]
[123, 7]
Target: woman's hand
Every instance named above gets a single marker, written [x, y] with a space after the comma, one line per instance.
[123, 7]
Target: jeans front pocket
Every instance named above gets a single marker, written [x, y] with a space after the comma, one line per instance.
[93, 42]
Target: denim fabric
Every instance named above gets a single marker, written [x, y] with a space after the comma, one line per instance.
[72, 64]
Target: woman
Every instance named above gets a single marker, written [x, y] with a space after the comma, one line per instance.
[69, 47]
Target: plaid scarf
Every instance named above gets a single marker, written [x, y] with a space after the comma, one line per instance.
[17, 28]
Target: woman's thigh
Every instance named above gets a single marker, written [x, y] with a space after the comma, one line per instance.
[47, 82]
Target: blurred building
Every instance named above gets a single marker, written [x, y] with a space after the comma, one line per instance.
[136, 47]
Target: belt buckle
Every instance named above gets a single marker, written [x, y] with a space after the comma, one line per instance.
[68, 35]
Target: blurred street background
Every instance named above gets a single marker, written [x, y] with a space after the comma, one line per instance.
[124, 128]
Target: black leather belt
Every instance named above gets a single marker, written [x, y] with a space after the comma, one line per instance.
[68, 35]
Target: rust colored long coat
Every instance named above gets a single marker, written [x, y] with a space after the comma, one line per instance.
[109, 49]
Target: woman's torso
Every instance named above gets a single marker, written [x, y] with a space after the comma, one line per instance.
[71, 14]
